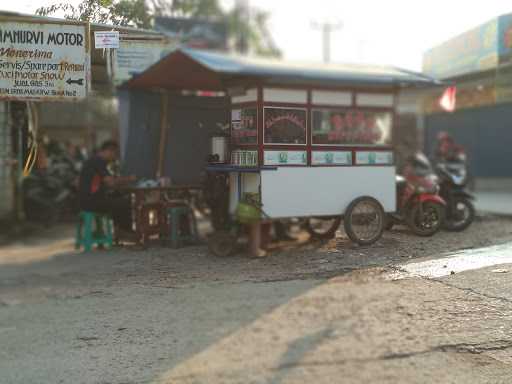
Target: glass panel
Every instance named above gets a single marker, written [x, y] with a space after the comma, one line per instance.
[244, 126]
[285, 126]
[351, 127]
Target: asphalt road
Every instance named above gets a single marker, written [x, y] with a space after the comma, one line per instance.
[326, 314]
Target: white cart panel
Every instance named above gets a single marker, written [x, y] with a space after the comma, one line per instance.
[323, 191]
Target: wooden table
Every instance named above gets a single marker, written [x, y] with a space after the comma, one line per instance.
[149, 208]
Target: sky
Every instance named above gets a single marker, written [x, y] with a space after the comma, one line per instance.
[392, 32]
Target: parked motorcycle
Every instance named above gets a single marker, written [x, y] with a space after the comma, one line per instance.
[44, 197]
[419, 204]
[460, 211]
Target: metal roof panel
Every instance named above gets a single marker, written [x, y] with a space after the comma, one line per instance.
[310, 72]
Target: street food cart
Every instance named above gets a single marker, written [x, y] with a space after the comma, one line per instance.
[303, 141]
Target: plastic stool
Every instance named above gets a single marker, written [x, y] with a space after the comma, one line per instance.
[86, 237]
[175, 215]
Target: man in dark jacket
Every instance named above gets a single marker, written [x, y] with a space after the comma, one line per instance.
[97, 183]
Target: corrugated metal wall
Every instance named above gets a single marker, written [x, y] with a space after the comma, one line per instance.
[486, 133]
[140, 134]
[192, 120]
[6, 190]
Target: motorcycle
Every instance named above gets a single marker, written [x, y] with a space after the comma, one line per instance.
[44, 197]
[419, 204]
[453, 177]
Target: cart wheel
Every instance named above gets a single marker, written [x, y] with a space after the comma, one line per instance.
[323, 227]
[364, 220]
[222, 244]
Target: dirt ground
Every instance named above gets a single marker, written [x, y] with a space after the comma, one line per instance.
[322, 311]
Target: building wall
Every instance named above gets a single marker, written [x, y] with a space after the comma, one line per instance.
[87, 122]
[485, 133]
[6, 187]
[140, 134]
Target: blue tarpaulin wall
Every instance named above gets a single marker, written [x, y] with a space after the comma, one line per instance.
[486, 134]
[192, 120]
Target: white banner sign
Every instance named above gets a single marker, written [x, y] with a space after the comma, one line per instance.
[43, 61]
[236, 115]
[370, 158]
[285, 158]
[135, 56]
[106, 40]
[331, 158]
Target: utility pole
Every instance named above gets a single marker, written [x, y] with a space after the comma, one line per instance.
[327, 29]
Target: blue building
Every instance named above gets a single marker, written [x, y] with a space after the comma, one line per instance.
[479, 62]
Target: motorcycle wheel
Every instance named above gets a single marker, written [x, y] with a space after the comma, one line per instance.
[323, 227]
[460, 215]
[364, 220]
[222, 243]
[428, 223]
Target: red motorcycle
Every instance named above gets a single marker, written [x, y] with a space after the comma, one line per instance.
[418, 200]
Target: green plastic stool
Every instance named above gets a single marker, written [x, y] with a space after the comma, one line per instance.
[174, 217]
[87, 236]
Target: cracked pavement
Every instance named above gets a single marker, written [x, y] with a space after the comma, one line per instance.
[322, 315]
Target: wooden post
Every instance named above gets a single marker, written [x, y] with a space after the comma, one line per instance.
[164, 120]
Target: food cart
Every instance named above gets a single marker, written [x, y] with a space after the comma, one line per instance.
[304, 141]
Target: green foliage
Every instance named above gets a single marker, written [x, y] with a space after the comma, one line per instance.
[252, 35]
[188, 8]
[249, 35]
[123, 12]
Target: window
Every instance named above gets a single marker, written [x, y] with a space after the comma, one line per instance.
[244, 126]
[351, 127]
[285, 126]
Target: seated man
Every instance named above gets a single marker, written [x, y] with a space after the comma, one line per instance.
[96, 184]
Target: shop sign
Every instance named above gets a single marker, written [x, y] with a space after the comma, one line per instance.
[285, 158]
[505, 37]
[374, 158]
[105, 40]
[244, 126]
[331, 158]
[285, 125]
[43, 61]
[135, 56]
[473, 51]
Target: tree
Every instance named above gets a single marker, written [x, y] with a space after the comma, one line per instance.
[187, 8]
[246, 27]
[122, 12]
[250, 34]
